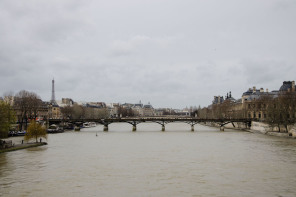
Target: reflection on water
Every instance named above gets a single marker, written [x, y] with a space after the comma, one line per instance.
[149, 162]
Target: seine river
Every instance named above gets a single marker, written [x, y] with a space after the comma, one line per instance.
[149, 162]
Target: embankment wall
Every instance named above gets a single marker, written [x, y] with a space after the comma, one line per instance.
[259, 127]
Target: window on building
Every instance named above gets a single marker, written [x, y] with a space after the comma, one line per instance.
[254, 115]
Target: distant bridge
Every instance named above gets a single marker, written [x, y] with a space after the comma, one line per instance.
[159, 120]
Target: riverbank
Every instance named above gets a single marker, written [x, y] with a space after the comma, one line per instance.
[258, 127]
[22, 146]
[263, 128]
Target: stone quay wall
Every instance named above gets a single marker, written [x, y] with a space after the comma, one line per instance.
[259, 127]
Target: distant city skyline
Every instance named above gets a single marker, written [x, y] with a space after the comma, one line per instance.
[169, 53]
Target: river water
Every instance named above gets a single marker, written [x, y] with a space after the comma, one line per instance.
[149, 162]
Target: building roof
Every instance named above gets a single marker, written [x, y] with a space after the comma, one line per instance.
[287, 85]
[138, 105]
[218, 99]
[254, 94]
[148, 106]
[231, 99]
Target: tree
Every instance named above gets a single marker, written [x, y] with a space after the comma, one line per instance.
[281, 110]
[67, 111]
[125, 111]
[26, 104]
[101, 113]
[273, 114]
[287, 108]
[7, 117]
[35, 131]
[78, 111]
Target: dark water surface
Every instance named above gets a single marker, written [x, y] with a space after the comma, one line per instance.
[149, 162]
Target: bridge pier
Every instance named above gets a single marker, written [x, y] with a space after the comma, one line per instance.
[134, 127]
[163, 128]
[192, 127]
[106, 128]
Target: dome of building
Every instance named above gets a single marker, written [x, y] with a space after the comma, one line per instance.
[287, 85]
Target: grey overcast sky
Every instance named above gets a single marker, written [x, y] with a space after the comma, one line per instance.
[173, 53]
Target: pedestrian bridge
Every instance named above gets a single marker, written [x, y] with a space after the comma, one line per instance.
[159, 120]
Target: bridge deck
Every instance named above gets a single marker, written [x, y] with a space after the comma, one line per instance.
[160, 120]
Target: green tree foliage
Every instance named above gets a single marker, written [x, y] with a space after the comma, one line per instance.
[7, 117]
[35, 131]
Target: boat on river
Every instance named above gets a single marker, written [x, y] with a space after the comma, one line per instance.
[89, 124]
[54, 129]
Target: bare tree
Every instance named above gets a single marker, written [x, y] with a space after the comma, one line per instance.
[26, 105]
[78, 111]
[125, 111]
[274, 114]
[287, 102]
[67, 111]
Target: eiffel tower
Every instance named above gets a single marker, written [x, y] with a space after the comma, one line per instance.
[53, 101]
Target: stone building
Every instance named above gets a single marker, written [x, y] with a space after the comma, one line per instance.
[66, 102]
[54, 111]
[138, 109]
[254, 101]
[113, 109]
[43, 111]
[148, 110]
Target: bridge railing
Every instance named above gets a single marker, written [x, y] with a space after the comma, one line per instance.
[155, 119]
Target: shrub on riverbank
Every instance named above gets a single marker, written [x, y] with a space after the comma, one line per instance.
[35, 131]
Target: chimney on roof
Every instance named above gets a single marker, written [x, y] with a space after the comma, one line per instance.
[261, 90]
[254, 89]
[293, 86]
[267, 90]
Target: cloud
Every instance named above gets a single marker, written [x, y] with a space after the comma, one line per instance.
[267, 72]
[140, 43]
[171, 53]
